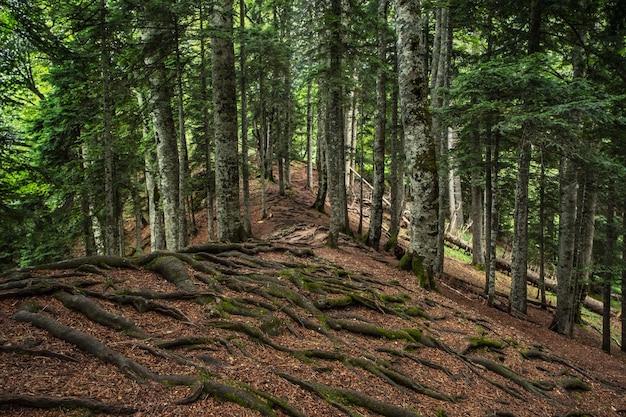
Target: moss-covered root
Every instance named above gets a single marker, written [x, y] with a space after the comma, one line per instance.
[96, 313]
[50, 403]
[513, 376]
[231, 394]
[350, 398]
[414, 263]
[173, 270]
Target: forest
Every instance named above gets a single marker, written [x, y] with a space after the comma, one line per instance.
[494, 126]
[502, 120]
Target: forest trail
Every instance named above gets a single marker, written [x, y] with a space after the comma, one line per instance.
[283, 326]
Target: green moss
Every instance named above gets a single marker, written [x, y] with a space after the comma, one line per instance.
[484, 342]
[415, 311]
[393, 240]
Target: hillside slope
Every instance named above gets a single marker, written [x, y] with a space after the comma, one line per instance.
[281, 326]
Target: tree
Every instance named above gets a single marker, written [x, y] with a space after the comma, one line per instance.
[335, 134]
[158, 43]
[229, 226]
[376, 216]
[419, 146]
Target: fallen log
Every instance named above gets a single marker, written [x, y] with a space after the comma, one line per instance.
[533, 277]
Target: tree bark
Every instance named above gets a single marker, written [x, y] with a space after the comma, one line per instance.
[567, 226]
[623, 286]
[519, 262]
[419, 142]
[335, 134]
[157, 41]
[183, 158]
[608, 269]
[225, 116]
[204, 93]
[376, 216]
[396, 178]
[245, 169]
[309, 136]
[155, 213]
[477, 192]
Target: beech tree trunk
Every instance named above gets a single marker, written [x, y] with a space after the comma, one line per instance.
[183, 158]
[609, 262]
[419, 142]
[204, 93]
[519, 262]
[321, 162]
[396, 178]
[567, 229]
[335, 134]
[155, 213]
[157, 40]
[623, 286]
[309, 137]
[229, 226]
[245, 169]
[376, 216]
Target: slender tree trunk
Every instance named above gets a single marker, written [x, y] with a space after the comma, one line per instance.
[229, 226]
[245, 170]
[111, 235]
[155, 212]
[183, 158]
[208, 134]
[321, 160]
[420, 145]
[542, 229]
[396, 179]
[491, 213]
[623, 286]
[157, 40]
[351, 138]
[335, 134]
[478, 197]
[309, 136]
[608, 270]
[585, 231]
[567, 226]
[376, 216]
[89, 239]
[455, 198]
[519, 262]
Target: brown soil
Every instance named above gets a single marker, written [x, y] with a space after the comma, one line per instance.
[456, 318]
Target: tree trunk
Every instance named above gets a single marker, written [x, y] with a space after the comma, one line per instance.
[335, 134]
[491, 213]
[155, 213]
[396, 178]
[376, 216]
[245, 169]
[309, 136]
[542, 238]
[478, 195]
[111, 235]
[519, 262]
[157, 40]
[585, 230]
[208, 134]
[321, 162]
[455, 197]
[419, 142]
[623, 286]
[351, 137]
[225, 117]
[607, 275]
[183, 158]
[567, 226]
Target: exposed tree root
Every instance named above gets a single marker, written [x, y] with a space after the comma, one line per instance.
[96, 313]
[349, 397]
[47, 402]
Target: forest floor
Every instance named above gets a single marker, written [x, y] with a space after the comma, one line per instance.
[284, 326]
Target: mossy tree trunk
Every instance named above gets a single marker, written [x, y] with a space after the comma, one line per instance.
[229, 226]
[419, 142]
